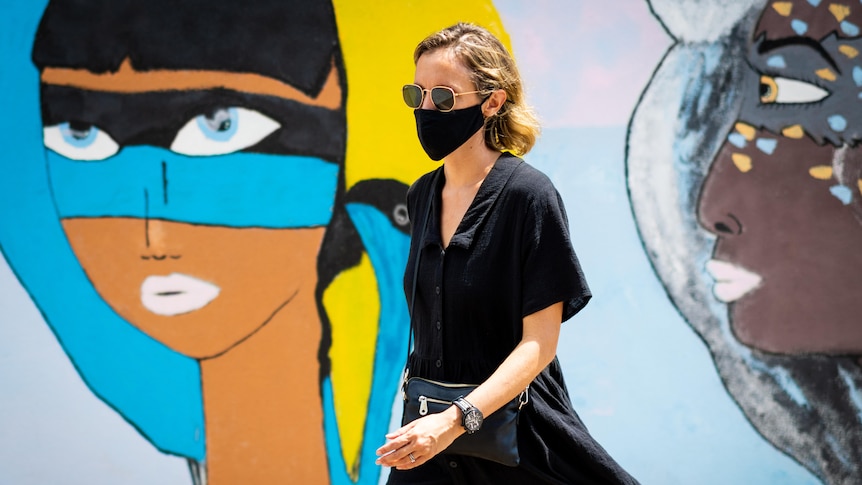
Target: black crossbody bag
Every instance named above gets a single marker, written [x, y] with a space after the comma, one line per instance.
[497, 439]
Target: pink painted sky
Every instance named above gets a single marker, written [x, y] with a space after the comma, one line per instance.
[584, 62]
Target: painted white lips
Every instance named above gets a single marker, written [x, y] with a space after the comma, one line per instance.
[731, 282]
[176, 294]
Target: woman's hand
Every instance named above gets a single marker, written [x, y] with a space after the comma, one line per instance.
[422, 439]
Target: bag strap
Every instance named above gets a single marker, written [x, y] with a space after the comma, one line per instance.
[416, 267]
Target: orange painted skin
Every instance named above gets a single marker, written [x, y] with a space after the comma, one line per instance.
[257, 342]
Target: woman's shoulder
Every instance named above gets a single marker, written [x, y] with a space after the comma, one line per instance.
[422, 185]
[530, 182]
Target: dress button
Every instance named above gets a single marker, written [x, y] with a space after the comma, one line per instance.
[438, 325]
[437, 290]
[453, 464]
[438, 363]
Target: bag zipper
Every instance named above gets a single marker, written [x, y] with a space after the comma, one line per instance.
[423, 404]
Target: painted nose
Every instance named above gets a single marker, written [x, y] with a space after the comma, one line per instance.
[713, 214]
[717, 207]
[727, 225]
[156, 230]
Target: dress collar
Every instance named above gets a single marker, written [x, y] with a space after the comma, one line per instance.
[481, 206]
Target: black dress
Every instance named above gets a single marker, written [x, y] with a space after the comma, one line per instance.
[510, 257]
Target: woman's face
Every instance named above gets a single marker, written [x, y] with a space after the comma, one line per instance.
[784, 194]
[186, 206]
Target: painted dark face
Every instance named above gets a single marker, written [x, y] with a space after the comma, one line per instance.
[784, 194]
[196, 212]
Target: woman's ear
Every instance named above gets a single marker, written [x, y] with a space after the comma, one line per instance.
[494, 102]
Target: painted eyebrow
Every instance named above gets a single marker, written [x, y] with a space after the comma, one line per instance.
[767, 46]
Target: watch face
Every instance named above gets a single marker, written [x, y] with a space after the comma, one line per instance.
[473, 420]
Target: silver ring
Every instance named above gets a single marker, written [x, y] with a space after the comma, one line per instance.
[412, 458]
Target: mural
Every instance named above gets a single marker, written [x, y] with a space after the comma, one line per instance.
[222, 289]
[203, 234]
[745, 181]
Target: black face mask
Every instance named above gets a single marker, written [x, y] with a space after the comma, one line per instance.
[441, 133]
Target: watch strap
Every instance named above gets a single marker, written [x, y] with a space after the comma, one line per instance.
[463, 404]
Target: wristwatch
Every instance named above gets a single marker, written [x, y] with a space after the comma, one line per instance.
[471, 417]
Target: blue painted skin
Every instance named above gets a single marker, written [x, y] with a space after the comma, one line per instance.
[234, 190]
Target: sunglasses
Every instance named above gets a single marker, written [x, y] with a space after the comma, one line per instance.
[443, 97]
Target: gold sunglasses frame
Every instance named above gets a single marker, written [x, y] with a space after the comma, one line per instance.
[428, 91]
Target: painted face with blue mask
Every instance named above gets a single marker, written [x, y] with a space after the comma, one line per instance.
[197, 213]
[194, 157]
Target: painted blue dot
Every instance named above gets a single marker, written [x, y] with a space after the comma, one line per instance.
[850, 28]
[776, 62]
[737, 140]
[857, 75]
[799, 26]
[814, 3]
[859, 95]
[842, 193]
[837, 122]
[766, 145]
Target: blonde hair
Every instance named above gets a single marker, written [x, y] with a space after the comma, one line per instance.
[514, 127]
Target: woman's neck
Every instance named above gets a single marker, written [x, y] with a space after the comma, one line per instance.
[470, 163]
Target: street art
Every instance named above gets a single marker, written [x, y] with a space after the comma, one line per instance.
[207, 218]
[191, 218]
[745, 180]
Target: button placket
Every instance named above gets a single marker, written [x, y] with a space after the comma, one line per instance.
[438, 308]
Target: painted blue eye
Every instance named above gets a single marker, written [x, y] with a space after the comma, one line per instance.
[79, 141]
[79, 136]
[225, 130]
[220, 126]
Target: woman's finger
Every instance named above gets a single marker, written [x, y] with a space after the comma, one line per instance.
[400, 431]
[398, 457]
[412, 460]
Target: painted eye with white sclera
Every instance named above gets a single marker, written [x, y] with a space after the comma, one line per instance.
[782, 90]
[79, 141]
[223, 131]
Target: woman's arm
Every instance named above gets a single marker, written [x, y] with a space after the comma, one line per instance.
[429, 435]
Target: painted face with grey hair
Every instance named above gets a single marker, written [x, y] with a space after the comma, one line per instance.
[784, 193]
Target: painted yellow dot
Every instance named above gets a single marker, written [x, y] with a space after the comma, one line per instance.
[742, 162]
[821, 172]
[859, 184]
[747, 131]
[840, 12]
[848, 51]
[783, 8]
[793, 131]
[826, 74]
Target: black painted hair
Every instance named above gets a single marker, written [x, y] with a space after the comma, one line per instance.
[294, 41]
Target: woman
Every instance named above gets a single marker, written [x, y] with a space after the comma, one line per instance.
[491, 314]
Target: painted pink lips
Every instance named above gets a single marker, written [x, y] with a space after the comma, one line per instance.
[732, 282]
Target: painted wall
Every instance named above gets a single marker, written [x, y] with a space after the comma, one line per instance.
[203, 234]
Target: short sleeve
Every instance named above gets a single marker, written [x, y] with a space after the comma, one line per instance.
[551, 269]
